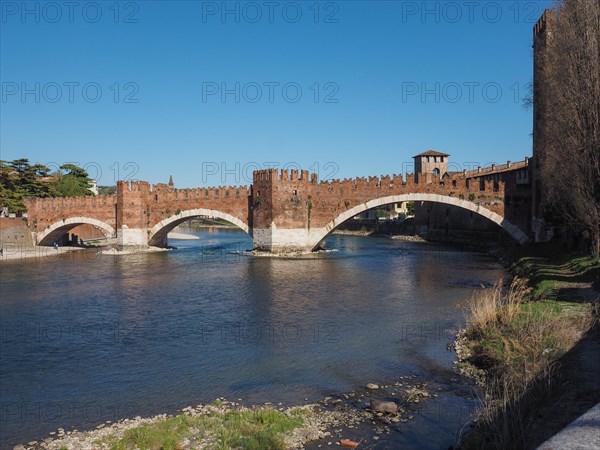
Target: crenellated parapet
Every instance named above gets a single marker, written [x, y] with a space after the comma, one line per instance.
[272, 175]
[282, 207]
[44, 212]
[142, 206]
[543, 24]
[301, 203]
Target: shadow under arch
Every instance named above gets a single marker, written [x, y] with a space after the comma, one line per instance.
[157, 235]
[57, 230]
[319, 234]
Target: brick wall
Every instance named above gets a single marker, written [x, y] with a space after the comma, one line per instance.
[140, 205]
[288, 199]
[43, 212]
[14, 233]
[292, 200]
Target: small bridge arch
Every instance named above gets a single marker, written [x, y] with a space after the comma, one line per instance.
[318, 235]
[157, 235]
[57, 230]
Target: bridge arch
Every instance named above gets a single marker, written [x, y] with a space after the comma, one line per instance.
[318, 235]
[58, 229]
[157, 235]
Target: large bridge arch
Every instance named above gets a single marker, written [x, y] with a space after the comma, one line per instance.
[157, 235]
[58, 229]
[317, 235]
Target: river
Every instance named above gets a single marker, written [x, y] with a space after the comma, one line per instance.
[88, 338]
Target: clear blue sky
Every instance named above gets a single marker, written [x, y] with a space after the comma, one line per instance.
[362, 68]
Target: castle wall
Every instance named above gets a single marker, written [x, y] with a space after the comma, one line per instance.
[294, 209]
[44, 212]
[541, 114]
[14, 234]
[140, 207]
[284, 208]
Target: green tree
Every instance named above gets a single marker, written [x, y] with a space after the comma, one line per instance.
[381, 212]
[75, 171]
[34, 183]
[18, 179]
[107, 190]
[75, 183]
[11, 199]
[19, 165]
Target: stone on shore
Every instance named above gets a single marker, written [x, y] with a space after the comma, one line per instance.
[383, 406]
[372, 386]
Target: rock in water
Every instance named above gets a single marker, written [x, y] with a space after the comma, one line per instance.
[372, 386]
[383, 406]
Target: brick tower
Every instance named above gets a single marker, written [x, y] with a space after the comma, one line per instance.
[542, 38]
[430, 164]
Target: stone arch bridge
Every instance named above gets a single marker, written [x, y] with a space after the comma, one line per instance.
[282, 210]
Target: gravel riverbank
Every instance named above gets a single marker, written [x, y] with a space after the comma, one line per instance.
[373, 412]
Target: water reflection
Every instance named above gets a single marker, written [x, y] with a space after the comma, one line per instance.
[92, 339]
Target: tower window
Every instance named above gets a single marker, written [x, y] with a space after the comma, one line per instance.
[436, 172]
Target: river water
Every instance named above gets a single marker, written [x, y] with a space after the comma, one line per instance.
[89, 338]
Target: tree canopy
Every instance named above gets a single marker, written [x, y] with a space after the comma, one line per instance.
[20, 178]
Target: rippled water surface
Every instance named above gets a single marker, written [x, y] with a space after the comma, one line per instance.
[87, 339]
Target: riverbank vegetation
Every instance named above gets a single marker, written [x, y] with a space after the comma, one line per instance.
[249, 428]
[364, 417]
[515, 339]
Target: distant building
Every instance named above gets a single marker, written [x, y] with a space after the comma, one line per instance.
[428, 164]
[391, 211]
[93, 187]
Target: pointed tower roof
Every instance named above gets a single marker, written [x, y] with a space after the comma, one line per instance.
[431, 153]
[171, 181]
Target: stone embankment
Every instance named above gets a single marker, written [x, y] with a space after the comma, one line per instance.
[15, 254]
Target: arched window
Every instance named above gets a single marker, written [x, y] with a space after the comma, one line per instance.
[436, 172]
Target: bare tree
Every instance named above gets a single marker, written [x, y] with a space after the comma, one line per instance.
[570, 163]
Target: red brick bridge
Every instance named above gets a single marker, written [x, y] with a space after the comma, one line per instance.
[287, 210]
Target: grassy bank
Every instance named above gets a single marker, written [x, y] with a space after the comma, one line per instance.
[251, 429]
[221, 425]
[516, 338]
[350, 419]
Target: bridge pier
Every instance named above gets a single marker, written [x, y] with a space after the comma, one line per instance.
[282, 240]
[132, 237]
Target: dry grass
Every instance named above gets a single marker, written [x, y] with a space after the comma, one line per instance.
[489, 309]
[517, 342]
